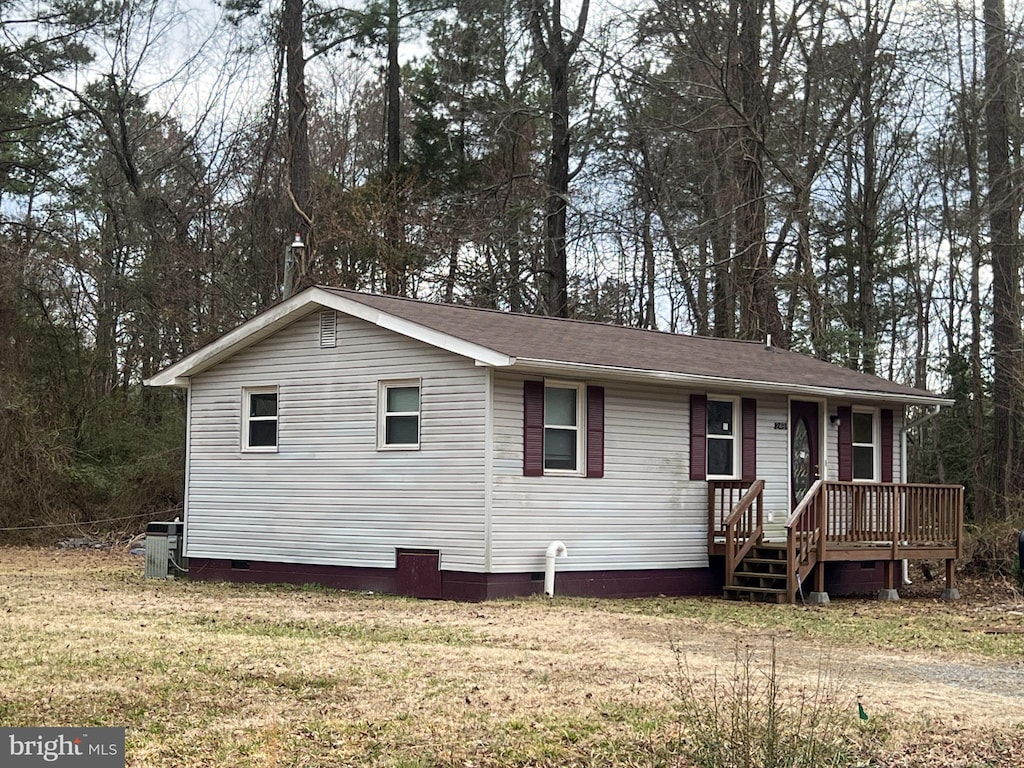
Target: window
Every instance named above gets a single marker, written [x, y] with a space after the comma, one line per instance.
[398, 424]
[562, 434]
[863, 425]
[723, 447]
[259, 419]
[563, 429]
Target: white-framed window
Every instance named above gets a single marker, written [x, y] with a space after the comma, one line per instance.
[723, 450]
[563, 430]
[259, 419]
[866, 451]
[398, 415]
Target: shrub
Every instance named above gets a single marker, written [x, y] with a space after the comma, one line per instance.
[33, 484]
[990, 548]
[749, 719]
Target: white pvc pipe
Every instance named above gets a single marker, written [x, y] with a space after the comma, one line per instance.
[555, 549]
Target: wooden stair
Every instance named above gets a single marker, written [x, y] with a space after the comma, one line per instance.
[761, 576]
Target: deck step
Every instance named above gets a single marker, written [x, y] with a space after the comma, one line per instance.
[756, 594]
[761, 575]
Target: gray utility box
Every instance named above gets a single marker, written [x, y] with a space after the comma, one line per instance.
[163, 550]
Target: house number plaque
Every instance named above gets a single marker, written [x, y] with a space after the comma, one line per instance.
[780, 425]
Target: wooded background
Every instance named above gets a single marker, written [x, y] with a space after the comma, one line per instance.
[842, 175]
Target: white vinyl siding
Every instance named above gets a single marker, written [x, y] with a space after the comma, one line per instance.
[773, 462]
[329, 496]
[644, 512]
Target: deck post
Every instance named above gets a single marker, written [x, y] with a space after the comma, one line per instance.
[888, 592]
[819, 596]
[730, 553]
[792, 574]
[950, 592]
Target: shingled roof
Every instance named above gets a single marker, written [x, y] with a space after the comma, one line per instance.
[539, 338]
[536, 342]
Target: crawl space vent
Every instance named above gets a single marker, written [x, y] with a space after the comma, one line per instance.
[328, 328]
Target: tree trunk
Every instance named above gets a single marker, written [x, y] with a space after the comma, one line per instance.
[648, 302]
[969, 128]
[1003, 217]
[299, 185]
[759, 307]
[867, 223]
[555, 259]
[555, 53]
[394, 256]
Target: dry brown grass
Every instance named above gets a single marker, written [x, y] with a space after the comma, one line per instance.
[221, 675]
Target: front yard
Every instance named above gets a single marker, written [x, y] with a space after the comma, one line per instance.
[232, 676]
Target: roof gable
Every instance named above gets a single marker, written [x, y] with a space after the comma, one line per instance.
[539, 343]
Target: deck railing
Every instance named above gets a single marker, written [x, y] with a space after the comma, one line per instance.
[899, 514]
[723, 496]
[840, 520]
[843, 515]
[805, 544]
[744, 527]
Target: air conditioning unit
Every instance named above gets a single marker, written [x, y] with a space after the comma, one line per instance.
[164, 543]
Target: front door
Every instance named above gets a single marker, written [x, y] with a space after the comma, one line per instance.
[804, 447]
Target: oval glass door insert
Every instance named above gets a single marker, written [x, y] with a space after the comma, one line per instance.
[801, 460]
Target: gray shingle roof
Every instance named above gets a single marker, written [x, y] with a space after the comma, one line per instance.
[535, 337]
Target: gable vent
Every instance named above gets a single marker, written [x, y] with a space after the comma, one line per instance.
[328, 328]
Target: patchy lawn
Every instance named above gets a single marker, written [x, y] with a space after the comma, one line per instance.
[233, 676]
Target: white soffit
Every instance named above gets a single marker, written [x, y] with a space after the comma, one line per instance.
[701, 381]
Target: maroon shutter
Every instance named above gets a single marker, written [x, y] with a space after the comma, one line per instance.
[533, 428]
[886, 442]
[749, 453]
[698, 437]
[595, 431]
[845, 442]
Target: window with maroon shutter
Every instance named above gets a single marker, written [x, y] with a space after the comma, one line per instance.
[698, 437]
[533, 428]
[749, 452]
[555, 440]
[845, 414]
[885, 427]
[724, 438]
[864, 445]
[563, 435]
[595, 431]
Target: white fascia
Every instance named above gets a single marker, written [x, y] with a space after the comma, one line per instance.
[723, 383]
[276, 318]
[479, 354]
[247, 334]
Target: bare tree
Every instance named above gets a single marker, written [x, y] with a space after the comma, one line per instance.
[556, 51]
[1003, 214]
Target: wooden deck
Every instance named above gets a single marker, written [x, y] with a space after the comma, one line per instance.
[835, 521]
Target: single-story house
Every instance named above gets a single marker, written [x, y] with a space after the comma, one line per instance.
[380, 443]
